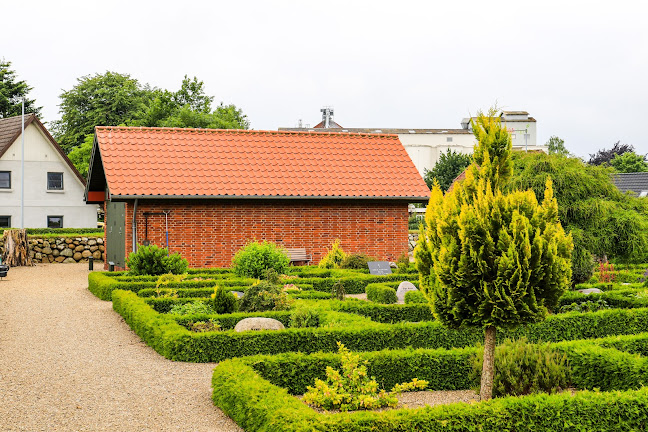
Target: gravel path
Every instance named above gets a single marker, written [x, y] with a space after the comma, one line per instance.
[69, 363]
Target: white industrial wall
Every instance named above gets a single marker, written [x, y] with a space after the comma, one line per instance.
[40, 158]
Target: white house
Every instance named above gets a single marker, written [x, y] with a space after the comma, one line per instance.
[425, 146]
[53, 195]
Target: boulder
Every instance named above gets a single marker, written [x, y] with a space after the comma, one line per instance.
[69, 260]
[92, 242]
[67, 252]
[402, 289]
[59, 259]
[86, 254]
[79, 248]
[68, 240]
[94, 248]
[50, 258]
[590, 291]
[71, 246]
[77, 256]
[61, 247]
[258, 323]
[100, 240]
[38, 256]
[102, 248]
[47, 250]
[96, 255]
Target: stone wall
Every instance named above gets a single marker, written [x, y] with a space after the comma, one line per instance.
[64, 249]
[413, 238]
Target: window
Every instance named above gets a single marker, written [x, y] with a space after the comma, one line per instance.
[448, 139]
[5, 179]
[512, 136]
[54, 221]
[54, 181]
[5, 221]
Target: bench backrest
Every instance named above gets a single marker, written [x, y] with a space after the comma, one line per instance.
[297, 254]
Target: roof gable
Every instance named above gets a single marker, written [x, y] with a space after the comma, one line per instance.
[168, 162]
[11, 128]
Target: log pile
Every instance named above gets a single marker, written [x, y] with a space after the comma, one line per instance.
[16, 248]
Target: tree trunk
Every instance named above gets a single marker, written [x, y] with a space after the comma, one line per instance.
[488, 369]
[16, 248]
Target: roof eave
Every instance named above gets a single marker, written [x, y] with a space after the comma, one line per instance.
[114, 197]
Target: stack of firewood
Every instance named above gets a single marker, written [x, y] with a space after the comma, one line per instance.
[16, 248]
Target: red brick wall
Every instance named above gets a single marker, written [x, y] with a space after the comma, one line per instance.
[208, 233]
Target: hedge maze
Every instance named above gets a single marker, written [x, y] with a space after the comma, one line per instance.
[261, 373]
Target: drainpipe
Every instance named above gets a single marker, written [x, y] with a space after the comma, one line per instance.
[135, 226]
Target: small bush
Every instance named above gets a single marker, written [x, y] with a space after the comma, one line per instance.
[415, 297]
[333, 257]
[224, 301]
[582, 260]
[301, 318]
[271, 276]
[380, 293]
[256, 258]
[522, 368]
[352, 389]
[337, 291]
[356, 261]
[153, 260]
[264, 296]
[192, 308]
[402, 264]
[587, 306]
[204, 326]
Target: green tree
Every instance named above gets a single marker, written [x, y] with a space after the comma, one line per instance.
[629, 162]
[499, 259]
[80, 156]
[109, 99]
[449, 166]
[12, 93]
[556, 145]
[609, 223]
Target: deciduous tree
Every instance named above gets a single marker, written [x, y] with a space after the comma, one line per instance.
[12, 93]
[605, 156]
[629, 162]
[449, 166]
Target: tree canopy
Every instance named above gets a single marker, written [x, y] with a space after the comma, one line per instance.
[604, 156]
[629, 162]
[490, 258]
[556, 145]
[610, 223]
[12, 92]
[114, 99]
[449, 166]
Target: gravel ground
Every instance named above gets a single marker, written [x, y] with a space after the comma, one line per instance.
[69, 363]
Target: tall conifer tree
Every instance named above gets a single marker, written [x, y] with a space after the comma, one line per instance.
[490, 259]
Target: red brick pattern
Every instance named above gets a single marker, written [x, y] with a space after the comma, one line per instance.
[209, 232]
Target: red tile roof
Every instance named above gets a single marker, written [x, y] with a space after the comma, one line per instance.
[171, 162]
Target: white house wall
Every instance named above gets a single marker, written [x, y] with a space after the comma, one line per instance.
[425, 149]
[41, 158]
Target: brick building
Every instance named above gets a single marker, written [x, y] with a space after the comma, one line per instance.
[205, 193]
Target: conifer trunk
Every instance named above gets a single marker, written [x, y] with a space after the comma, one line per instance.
[488, 369]
[16, 248]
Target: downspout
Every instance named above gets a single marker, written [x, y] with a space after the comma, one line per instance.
[135, 226]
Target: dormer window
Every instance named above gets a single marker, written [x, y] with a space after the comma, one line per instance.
[54, 181]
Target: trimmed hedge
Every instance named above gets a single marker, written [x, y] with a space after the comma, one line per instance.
[386, 313]
[252, 392]
[380, 293]
[358, 335]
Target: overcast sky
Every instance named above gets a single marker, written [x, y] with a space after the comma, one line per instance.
[580, 68]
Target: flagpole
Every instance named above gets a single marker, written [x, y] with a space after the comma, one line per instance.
[22, 170]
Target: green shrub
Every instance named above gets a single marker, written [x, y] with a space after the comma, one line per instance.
[153, 260]
[271, 276]
[255, 258]
[337, 291]
[204, 326]
[582, 260]
[380, 293]
[403, 263]
[191, 308]
[224, 301]
[356, 261]
[415, 297]
[264, 296]
[352, 389]
[333, 257]
[303, 317]
[586, 306]
[522, 368]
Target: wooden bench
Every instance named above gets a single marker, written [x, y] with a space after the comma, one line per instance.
[298, 255]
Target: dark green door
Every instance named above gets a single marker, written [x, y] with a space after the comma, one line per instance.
[115, 233]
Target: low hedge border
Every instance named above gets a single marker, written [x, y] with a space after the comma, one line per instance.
[385, 313]
[256, 404]
[216, 346]
[621, 298]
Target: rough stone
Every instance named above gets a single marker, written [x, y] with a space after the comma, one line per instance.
[61, 247]
[47, 250]
[50, 258]
[403, 288]
[69, 260]
[79, 248]
[38, 256]
[77, 256]
[590, 291]
[67, 252]
[258, 323]
[96, 255]
[68, 240]
[94, 248]
[86, 254]
[56, 252]
[102, 248]
[71, 246]
[100, 241]
[59, 259]
[92, 242]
